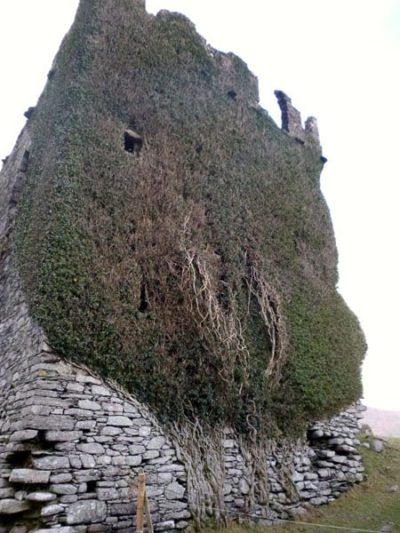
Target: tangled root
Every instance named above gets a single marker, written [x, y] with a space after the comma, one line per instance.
[271, 312]
[218, 322]
[203, 455]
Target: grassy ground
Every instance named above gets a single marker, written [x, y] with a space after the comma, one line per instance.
[369, 506]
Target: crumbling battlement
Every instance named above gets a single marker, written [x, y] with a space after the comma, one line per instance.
[291, 121]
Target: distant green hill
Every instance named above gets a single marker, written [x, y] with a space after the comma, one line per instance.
[173, 238]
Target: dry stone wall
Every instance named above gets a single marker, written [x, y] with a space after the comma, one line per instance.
[72, 445]
[313, 472]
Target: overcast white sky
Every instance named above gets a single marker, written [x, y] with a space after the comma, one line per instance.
[339, 61]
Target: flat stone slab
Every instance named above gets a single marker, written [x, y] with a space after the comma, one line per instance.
[13, 506]
[52, 422]
[51, 510]
[119, 421]
[55, 462]
[28, 475]
[63, 436]
[86, 512]
[41, 497]
[23, 435]
[174, 491]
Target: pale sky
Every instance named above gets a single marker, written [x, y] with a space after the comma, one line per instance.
[339, 61]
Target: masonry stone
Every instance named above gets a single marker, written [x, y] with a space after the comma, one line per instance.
[51, 463]
[119, 421]
[86, 512]
[41, 497]
[12, 507]
[24, 435]
[51, 510]
[29, 476]
[63, 436]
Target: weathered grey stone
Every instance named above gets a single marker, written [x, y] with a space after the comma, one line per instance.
[174, 491]
[42, 497]
[86, 512]
[151, 454]
[377, 445]
[136, 449]
[166, 526]
[84, 378]
[63, 436]
[107, 494]
[75, 387]
[325, 453]
[89, 404]
[341, 459]
[297, 476]
[20, 495]
[7, 492]
[111, 431]
[144, 431]
[119, 421]
[75, 461]
[51, 510]
[244, 486]
[99, 390]
[156, 443]
[86, 424]
[91, 448]
[63, 488]
[87, 461]
[54, 462]
[58, 530]
[68, 498]
[23, 435]
[13, 507]
[28, 475]
[53, 422]
[120, 509]
[61, 478]
[134, 460]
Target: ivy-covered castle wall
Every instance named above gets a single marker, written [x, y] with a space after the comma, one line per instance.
[168, 296]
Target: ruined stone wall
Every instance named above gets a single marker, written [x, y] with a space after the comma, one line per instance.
[72, 445]
[315, 472]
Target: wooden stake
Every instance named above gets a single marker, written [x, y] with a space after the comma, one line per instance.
[140, 503]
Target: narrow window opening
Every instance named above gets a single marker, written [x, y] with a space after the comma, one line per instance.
[144, 304]
[25, 160]
[19, 459]
[91, 486]
[133, 142]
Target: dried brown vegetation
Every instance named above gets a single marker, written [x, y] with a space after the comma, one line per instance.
[200, 272]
